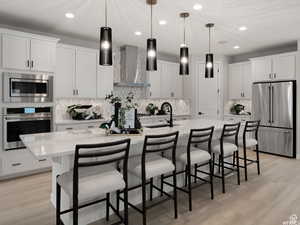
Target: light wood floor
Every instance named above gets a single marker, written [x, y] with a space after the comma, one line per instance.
[268, 199]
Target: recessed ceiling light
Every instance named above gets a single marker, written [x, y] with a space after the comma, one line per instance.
[243, 28]
[162, 22]
[236, 47]
[138, 33]
[69, 15]
[198, 7]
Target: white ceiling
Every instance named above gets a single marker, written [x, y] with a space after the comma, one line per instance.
[269, 22]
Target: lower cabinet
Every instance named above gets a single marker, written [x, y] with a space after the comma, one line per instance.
[20, 162]
[80, 126]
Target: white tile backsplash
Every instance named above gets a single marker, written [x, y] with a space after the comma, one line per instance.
[180, 106]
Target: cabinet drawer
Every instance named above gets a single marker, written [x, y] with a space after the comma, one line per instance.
[77, 126]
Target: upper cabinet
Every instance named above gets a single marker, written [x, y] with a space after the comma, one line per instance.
[275, 67]
[105, 80]
[166, 81]
[21, 51]
[240, 81]
[78, 74]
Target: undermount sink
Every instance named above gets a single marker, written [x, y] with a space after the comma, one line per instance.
[159, 126]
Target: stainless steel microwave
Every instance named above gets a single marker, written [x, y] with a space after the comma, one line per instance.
[27, 88]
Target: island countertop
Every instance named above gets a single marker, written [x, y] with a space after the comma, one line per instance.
[57, 144]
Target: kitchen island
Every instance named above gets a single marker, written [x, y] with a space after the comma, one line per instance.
[60, 148]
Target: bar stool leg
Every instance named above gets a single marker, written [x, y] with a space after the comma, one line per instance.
[189, 181]
[186, 176]
[107, 206]
[220, 164]
[58, 202]
[214, 161]
[118, 201]
[175, 194]
[211, 164]
[144, 200]
[258, 160]
[221, 158]
[238, 168]
[75, 211]
[126, 205]
[151, 189]
[161, 185]
[195, 178]
[245, 163]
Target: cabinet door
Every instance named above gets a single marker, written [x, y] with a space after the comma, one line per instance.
[105, 80]
[15, 52]
[65, 72]
[284, 66]
[262, 69]
[42, 55]
[169, 80]
[208, 93]
[86, 73]
[247, 81]
[155, 82]
[235, 81]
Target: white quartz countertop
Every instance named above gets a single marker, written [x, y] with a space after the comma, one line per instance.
[70, 122]
[57, 144]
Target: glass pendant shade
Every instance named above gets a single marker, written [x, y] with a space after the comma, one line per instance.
[184, 61]
[105, 58]
[151, 55]
[209, 66]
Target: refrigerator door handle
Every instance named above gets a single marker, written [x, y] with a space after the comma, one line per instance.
[272, 114]
[270, 102]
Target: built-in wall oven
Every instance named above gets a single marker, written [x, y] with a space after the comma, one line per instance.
[26, 120]
[27, 88]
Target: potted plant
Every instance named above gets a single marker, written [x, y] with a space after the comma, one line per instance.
[151, 109]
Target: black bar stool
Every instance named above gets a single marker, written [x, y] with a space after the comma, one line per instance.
[251, 127]
[94, 176]
[193, 155]
[225, 150]
[154, 164]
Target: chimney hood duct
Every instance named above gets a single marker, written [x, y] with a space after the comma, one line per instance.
[133, 68]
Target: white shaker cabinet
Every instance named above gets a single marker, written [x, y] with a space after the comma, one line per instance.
[43, 55]
[284, 66]
[76, 73]
[65, 72]
[86, 73]
[105, 81]
[274, 67]
[240, 81]
[166, 81]
[25, 53]
[15, 52]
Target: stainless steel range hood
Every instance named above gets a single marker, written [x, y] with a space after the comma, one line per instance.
[133, 68]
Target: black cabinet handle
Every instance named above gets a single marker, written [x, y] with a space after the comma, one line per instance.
[42, 160]
[16, 164]
[28, 63]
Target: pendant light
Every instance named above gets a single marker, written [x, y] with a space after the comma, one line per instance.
[151, 44]
[209, 65]
[184, 50]
[105, 56]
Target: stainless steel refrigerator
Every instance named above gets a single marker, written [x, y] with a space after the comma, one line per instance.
[274, 104]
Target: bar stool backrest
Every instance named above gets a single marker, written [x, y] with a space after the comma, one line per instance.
[160, 144]
[91, 155]
[201, 136]
[251, 127]
[231, 130]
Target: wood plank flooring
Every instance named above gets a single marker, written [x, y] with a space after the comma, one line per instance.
[269, 199]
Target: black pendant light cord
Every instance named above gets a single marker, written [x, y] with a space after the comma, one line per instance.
[209, 38]
[151, 21]
[105, 13]
[184, 31]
